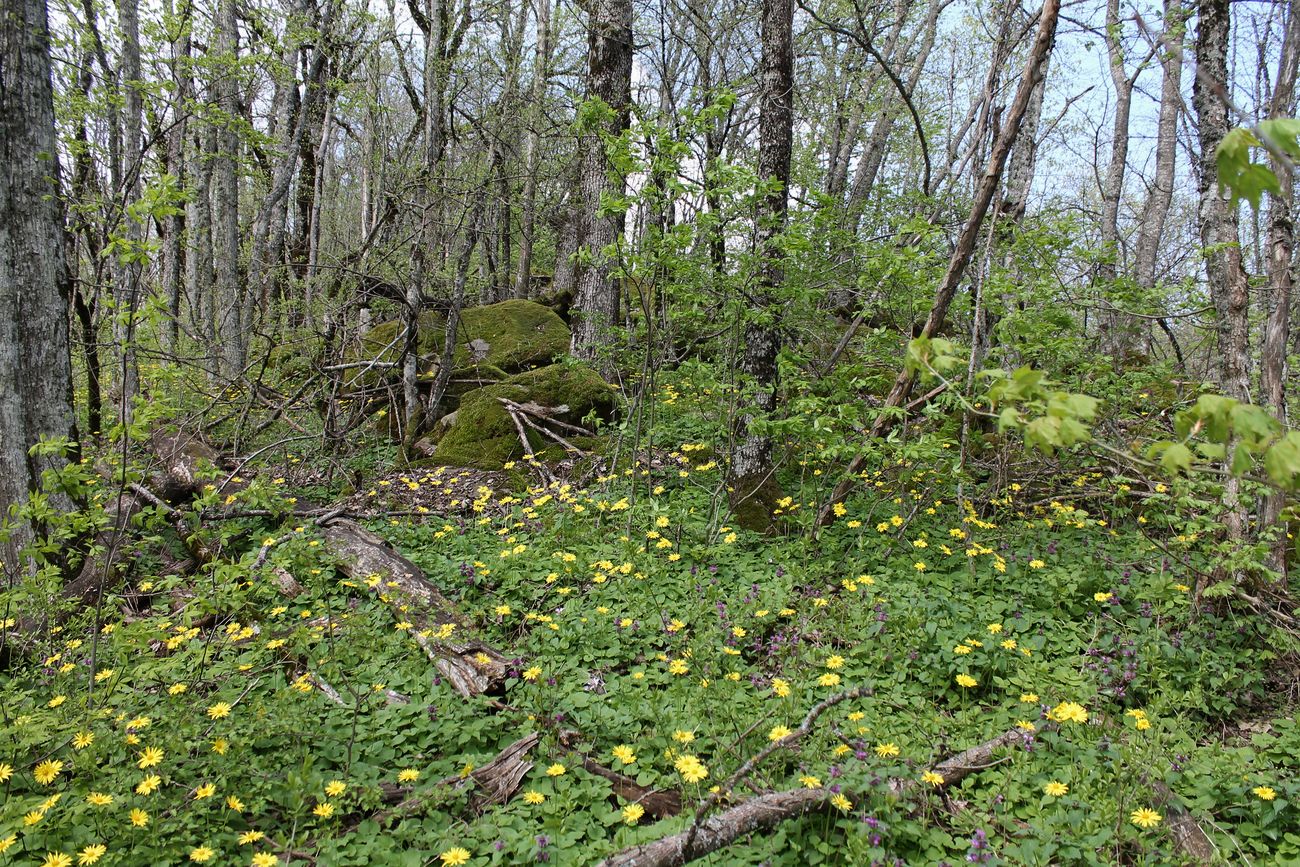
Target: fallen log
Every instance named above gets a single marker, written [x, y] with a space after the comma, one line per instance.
[494, 783]
[770, 810]
[470, 665]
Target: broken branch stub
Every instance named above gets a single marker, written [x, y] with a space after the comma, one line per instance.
[446, 637]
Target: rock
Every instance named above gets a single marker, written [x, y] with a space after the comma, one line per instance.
[510, 336]
[483, 435]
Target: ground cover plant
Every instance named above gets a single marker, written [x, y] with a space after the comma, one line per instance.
[277, 707]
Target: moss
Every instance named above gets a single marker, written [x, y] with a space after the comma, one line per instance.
[519, 335]
[483, 434]
[753, 500]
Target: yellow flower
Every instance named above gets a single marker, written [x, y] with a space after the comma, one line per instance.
[532, 674]
[556, 770]
[250, 837]
[778, 732]
[1101, 597]
[1145, 818]
[1055, 789]
[1036, 564]
[334, 788]
[533, 797]
[683, 737]
[220, 710]
[202, 854]
[99, 799]
[6, 771]
[834, 662]
[150, 757]
[55, 702]
[1264, 793]
[409, 775]
[810, 782]
[57, 859]
[81, 740]
[33, 818]
[829, 679]
[840, 802]
[1026, 725]
[139, 818]
[961, 650]
[966, 681]
[691, 768]
[932, 778]
[220, 745]
[91, 853]
[624, 754]
[46, 772]
[148, 785]
[1029, 698]
[887, 750]
[454, 856]
[324, 810]
[919, 566]
[7, 842]
[1068, 712]
[265, 859]
[995, 628]
[678, 666]
[780, 687]
[632, 813]
[234, 803]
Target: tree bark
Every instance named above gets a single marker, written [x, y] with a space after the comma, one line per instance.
[609, 79]
[1281, 241]
[532, 148]
[1156, 209]
[1224, 270]
[35, 362]
[1117, 333]
[750, 478]
[228, 336]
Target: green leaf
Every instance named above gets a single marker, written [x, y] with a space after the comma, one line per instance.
[1176, 458]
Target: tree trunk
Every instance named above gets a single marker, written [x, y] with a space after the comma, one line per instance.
[129, 272]
[751, 475]
[35, 363]
[228, 335]
[1156, 209]
[1118, 336]
[532, 148]
[1281, 228]
[609, 79]
[1229, 289]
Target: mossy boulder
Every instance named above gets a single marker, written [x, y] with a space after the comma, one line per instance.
[483, 435]
[510, 336]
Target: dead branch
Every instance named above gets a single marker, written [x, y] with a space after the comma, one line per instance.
[447, 638]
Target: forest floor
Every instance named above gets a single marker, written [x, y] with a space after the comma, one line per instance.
[629, 665]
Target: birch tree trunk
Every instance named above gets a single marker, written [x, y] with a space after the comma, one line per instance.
[751, 474]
